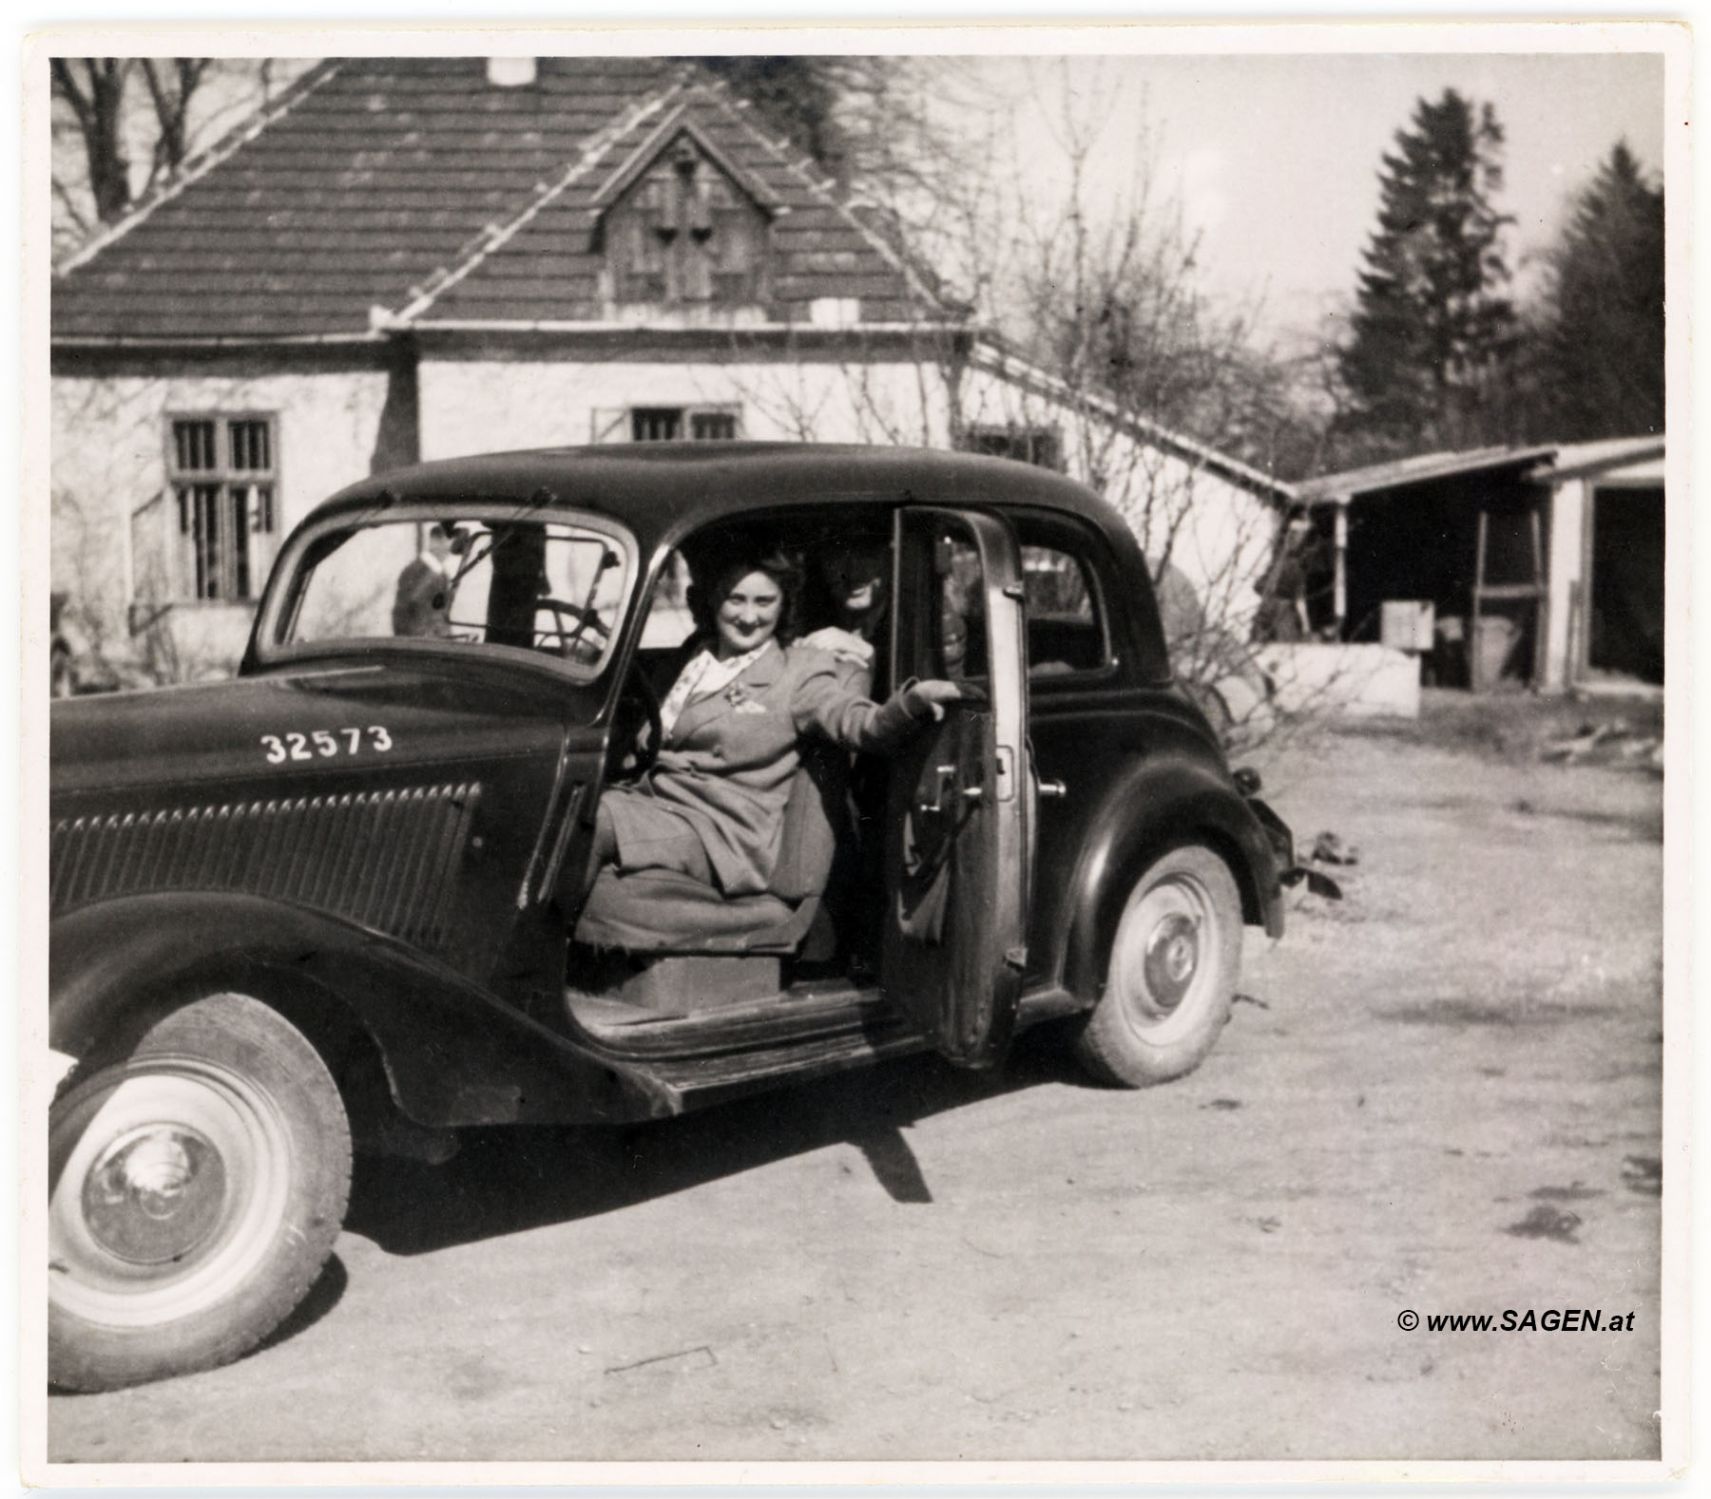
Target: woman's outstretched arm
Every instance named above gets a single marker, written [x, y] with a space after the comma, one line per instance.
[824, 704]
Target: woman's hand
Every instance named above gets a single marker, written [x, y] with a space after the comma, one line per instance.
[928, 699]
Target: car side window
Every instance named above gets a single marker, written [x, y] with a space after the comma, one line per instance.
[1065, 630]
[669, 622]
[959, 638]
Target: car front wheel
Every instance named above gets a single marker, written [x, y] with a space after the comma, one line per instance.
[196, 1186]
[1170, 973]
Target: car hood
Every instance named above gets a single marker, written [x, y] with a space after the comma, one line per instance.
[263, 728]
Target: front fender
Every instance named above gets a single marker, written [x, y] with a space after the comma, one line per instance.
[453, 1054]
[1158, 803]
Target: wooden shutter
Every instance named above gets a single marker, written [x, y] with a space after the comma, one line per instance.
[610, 424]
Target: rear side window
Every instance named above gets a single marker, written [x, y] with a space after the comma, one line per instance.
[1066, 627]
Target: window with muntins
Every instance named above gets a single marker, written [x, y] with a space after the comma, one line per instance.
[682, 423]
[223, 473]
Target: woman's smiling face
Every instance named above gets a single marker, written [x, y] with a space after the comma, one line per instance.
[748, 613]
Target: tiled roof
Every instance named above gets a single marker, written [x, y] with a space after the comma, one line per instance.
[416, 185]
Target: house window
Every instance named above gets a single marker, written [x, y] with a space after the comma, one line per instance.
[223, 472]
[679, 423]
[1040, 446]
[686, 234]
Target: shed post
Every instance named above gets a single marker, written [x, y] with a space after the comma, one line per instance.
[1340, 577]
[1564, 571]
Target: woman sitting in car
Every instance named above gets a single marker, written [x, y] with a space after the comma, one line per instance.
[712, 804]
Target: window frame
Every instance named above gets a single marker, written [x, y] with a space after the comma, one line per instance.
[182, 548]
[686, 417]
[1082, 544]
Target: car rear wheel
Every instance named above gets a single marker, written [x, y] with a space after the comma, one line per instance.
[1170, 973]
[196, 1186]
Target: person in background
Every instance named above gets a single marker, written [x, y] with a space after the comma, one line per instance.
[1282, 614]
[712, 805]
[422, 602]
[856, 577]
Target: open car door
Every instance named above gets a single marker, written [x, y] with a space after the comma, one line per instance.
[957, 822]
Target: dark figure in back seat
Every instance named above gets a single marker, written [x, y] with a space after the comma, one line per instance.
[712, 805]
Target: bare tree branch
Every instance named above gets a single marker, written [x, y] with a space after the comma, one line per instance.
[96, 101]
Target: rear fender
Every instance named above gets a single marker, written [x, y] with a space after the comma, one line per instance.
[453, 1054]
[1155, 806]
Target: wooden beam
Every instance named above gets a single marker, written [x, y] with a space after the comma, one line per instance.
[1475, 656]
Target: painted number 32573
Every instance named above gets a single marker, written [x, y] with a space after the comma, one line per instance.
[325, 743]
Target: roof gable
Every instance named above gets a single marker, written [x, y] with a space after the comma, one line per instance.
[546, 265]
[416, 186]
[679, 124]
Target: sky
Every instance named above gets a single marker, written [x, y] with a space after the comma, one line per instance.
[1274, 159]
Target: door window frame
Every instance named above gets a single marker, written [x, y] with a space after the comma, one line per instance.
[1083, 545]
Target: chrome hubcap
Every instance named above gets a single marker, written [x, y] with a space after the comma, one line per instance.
[1166, 960]
[155, 1194]
[169, 1180]
[1173, 955]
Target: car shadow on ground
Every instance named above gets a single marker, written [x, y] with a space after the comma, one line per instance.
[323, 1296]
[505, 1180]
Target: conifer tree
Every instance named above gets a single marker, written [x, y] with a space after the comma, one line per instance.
[1433, 333]
[1599, 357]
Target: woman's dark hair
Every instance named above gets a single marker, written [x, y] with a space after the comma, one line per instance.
[725, 570]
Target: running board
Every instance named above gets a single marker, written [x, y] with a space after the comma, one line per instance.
[697, 1082]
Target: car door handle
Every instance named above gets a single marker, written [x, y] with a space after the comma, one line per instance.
[944, 779]
[946, 793]
[1052, 790]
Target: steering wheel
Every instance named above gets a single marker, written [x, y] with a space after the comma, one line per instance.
[569, 639]
[638, 688]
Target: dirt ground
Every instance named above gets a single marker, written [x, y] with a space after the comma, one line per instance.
[1441, 1096]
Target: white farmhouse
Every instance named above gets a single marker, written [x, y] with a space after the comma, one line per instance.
[407, 259]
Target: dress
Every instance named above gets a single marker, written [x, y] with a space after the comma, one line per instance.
[727, 763]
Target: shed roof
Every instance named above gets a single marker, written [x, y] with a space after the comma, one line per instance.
[415, 185]
[1575, 460]
[1418, 469]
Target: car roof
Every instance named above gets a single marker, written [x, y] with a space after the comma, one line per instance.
[663, 489]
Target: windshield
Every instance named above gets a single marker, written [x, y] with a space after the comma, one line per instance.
[506, 581]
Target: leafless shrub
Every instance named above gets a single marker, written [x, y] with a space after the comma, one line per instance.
[1069, 329]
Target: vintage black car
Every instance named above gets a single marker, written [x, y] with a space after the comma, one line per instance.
[342, 896]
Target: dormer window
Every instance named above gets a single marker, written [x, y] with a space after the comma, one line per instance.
[684, 233]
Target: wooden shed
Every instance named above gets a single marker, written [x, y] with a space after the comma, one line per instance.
[1537, 566]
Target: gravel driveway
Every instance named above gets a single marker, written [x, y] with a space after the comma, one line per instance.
[1442, 1096]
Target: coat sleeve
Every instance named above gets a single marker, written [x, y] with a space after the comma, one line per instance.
[825, 704]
